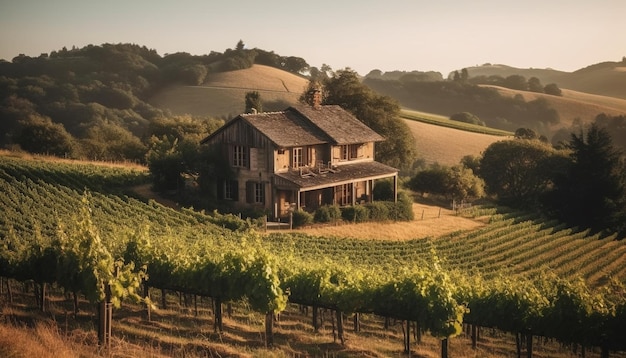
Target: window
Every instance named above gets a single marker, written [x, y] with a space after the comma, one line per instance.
[231, 190]
[349, 151]
[259, 193]
[343, 194]
[255, 192]
[240, 156]
[297, 160]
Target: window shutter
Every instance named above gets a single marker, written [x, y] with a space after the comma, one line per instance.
[220, 189]
[250, 192]
[253, 159]
[235, 185]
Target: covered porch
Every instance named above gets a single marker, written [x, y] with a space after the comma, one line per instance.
[345, 185]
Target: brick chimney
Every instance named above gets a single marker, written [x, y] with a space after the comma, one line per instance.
[315, 98]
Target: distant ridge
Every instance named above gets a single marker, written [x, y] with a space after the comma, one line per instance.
[605, 78]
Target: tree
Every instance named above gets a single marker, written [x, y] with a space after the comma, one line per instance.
[381, 113]
[253, 102]
[519, 172]
[552, 89]
[40, 135]
[464, 75]
[456, 182]
[534, 85]
[592, 192]
[525, 133]
[467, 117]
[517, 82]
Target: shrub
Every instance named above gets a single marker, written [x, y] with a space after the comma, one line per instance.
[403, 209]
[378, 211]
[301, 218]
[356, 213]
[327, 213]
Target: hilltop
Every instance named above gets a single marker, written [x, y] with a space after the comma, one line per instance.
[604, 79]
[222, 94]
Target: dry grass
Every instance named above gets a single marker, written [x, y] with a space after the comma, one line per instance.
[430, 221]
[223, 94]
[573, 104]
[176, 332]
[447, 145]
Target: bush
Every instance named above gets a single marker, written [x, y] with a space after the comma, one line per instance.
[356, 213]
[378, 211]
[327, 213]
[301, 218]
[403, 209]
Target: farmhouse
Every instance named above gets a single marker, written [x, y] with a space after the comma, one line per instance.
[300, 158]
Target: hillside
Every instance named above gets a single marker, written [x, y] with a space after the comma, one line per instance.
[573, 104]
[223, 94]
[504, 267]
[447, 145]
[605, 79]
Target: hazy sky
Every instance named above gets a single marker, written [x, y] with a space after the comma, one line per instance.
[438, 35]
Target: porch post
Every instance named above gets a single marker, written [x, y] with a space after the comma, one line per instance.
[353, 193]
[395, 188]
[298, 200]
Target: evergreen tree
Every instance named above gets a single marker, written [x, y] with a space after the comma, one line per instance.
[592, 194]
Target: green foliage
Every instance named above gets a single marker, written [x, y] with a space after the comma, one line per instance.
[383, 190]
[40, 135]
[355, 213]
[467, 117]
[378, 211]
[519, 172]
[378, 112]
[591, 192]
[302, 218]
[552, 89]
[327, 213]
[482, 277]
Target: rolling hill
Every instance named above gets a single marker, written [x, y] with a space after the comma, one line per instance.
[223, 94]
[573, 104]
[605, 79]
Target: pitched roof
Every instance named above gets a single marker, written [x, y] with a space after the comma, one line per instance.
[339, 124]
[286, 129]
[303, 125]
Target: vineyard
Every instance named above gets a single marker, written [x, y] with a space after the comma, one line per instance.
[75, 228]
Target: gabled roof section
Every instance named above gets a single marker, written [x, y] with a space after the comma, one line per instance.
[303, 125]
[340, 125]
[287, 128]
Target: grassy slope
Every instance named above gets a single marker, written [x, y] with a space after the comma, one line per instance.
[574, 104]
[445, 145]
[223, 94]
[605, 79]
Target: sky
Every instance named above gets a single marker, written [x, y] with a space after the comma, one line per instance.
[388, 35]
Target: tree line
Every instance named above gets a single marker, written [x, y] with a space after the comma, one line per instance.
[91, 102]
[581, 182]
